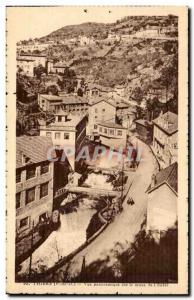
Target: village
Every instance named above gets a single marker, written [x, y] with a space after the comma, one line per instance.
[94, 163]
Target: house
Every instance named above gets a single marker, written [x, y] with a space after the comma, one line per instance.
[144, 130]
[84, 40]
[34, 182]
[39, 59]
[71, 103]
[59, 67]
[112, 134]
[93, 90]
[67, 131]
[26, 65]
[162, 200]
[165, 138]
[100, 110]
[159, 92]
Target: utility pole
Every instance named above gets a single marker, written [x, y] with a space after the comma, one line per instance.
[32, 239]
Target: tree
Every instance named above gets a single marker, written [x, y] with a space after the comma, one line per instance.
[39, 70]
[80, 92]
[52, 89]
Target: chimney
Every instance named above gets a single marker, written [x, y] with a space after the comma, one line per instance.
[153, 181]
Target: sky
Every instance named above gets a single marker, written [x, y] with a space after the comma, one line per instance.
[31, 22]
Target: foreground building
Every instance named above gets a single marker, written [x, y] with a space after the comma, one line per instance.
[66, 131]
[112, 134]
[165, 137]
[162, 200]
[34, 182]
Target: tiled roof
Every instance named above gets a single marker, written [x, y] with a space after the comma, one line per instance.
[168, 122]
[142, 122]
[168, 175]
[96, 100]
[66, 99]
[35, 148]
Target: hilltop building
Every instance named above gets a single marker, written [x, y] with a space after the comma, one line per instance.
[39, 59]
[26, 65]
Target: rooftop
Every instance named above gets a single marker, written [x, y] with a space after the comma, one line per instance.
[98, 99]
[35, 55]
[66, 98]
[70, 124]
[168, 175]
[24, 59]
[35, 148]
[142, 122]
[111, 125]
[168, 122]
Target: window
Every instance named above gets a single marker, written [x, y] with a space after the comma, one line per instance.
[100, 129]
[59, 118]
[24, 222]
[105, 130]
[57, 135]
[18, 175]
[48, 134]
[66, 136]
[44, 168]
[95, 126]
[18, 195]
[96, 117]
[30, 195]
[112, 131]
[103, 110]
[119, 132]
[30, 172]
[96, 110]
[44, 190]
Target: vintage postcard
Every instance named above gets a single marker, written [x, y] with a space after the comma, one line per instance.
[97, 150]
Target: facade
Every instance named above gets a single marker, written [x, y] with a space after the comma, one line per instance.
[100, 110]
[96, 90]
[66, 131]
[71, 103]
[162, 200]
[144, 130]
[165, 137]
[26, 65]
[39, 59]
[34, 182]
[112, 134]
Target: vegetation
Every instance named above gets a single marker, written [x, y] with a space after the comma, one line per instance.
[146, 261]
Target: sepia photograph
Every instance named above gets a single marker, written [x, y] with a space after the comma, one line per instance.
[97, 113]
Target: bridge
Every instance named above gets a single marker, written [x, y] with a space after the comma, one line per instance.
[86, 190]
